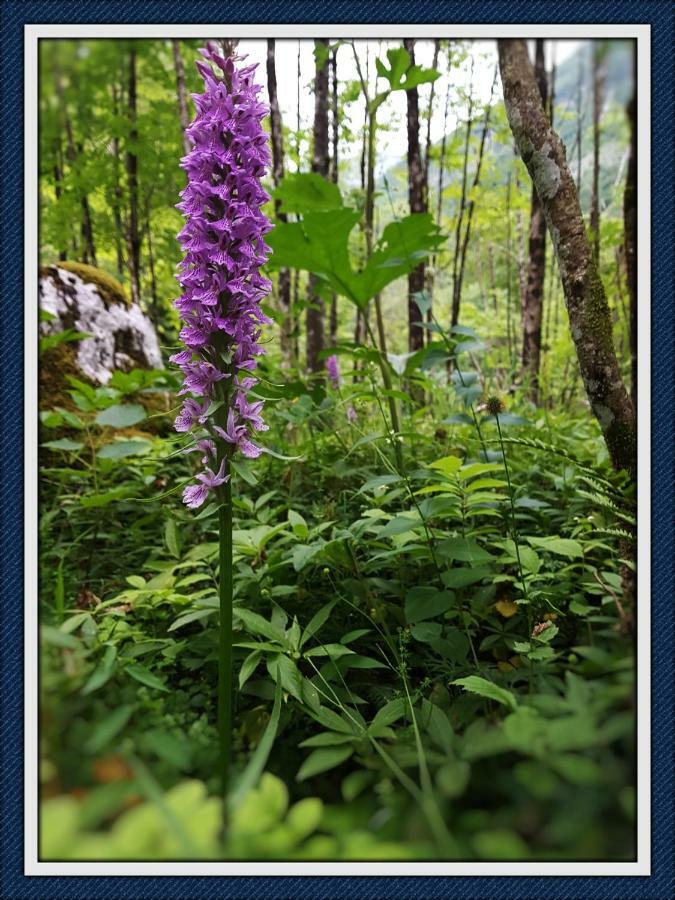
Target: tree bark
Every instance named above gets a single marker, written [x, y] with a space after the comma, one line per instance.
[630, 229]
[315, 310]
[534, 290]
[431, 269]
[181, 94]
[462, 204]
[430, 110]
[417, 201]
[334, 169]
[88, 249]
[277, 141]
[117, 190]
[457, 296]
[151, 266]
[598, 92]
[544, 155]
[58, 190]
[133, 233]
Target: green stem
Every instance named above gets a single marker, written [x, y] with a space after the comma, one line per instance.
[225, 685]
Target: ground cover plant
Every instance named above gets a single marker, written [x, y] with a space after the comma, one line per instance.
[395, 620]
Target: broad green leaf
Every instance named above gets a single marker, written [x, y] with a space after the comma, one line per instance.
[447, 464]
[298, 524]
[282, 667]
[316, 622]
[145, 676]
[322, 760]
[426, 603]
[484, 688]
[102, 672]
[255, 624]
[171, 538]
[122, 415]
[63, 444]
[327, 739]
[391, 712]
[560, 546]
[459, 577]
[122, 449]
[248, 667]
[303, 192]
[464, 550]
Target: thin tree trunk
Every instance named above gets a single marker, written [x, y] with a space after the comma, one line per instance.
[58, 190]
[370, 203]
[277, 141]
[151, 265]
[509, 330]
[462, 203]
[298, 120]
[181, 94]
[430, 111]
[630, 229]
[471, 206]
[133, 235]
[491, 275]
[536, 272]
[360, 321]
[431, 269]
[88, 249]
[334, 169]
[315, 310]
[598, 92]
[544, 155]
[117, 190]
[417, 201]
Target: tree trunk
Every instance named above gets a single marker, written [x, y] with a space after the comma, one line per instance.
[359, 319]
[630, 229]
[430, 110]
[151, 266]
[88, 249]
[277, 141]
[580, 85]
[58, 190]
[462, 204]
[471, 206]
[133, 233]
[431, 269]
[181, 94]
[598, 91]
[117, 190]
[334, 169]
[315, 311]
[417, 201]
[534, 291]
[544, 155]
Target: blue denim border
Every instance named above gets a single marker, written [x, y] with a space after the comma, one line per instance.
[13, 16]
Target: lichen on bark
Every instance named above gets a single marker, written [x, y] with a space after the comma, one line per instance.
[543, 153]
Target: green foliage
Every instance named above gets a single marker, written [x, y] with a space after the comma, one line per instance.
[433, 656]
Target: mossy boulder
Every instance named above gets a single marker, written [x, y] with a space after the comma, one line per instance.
[86, 299]
[109, 288]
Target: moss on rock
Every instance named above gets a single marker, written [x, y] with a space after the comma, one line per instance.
[108, 287]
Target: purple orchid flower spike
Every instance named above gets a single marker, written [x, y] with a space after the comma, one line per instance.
[222, 287]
